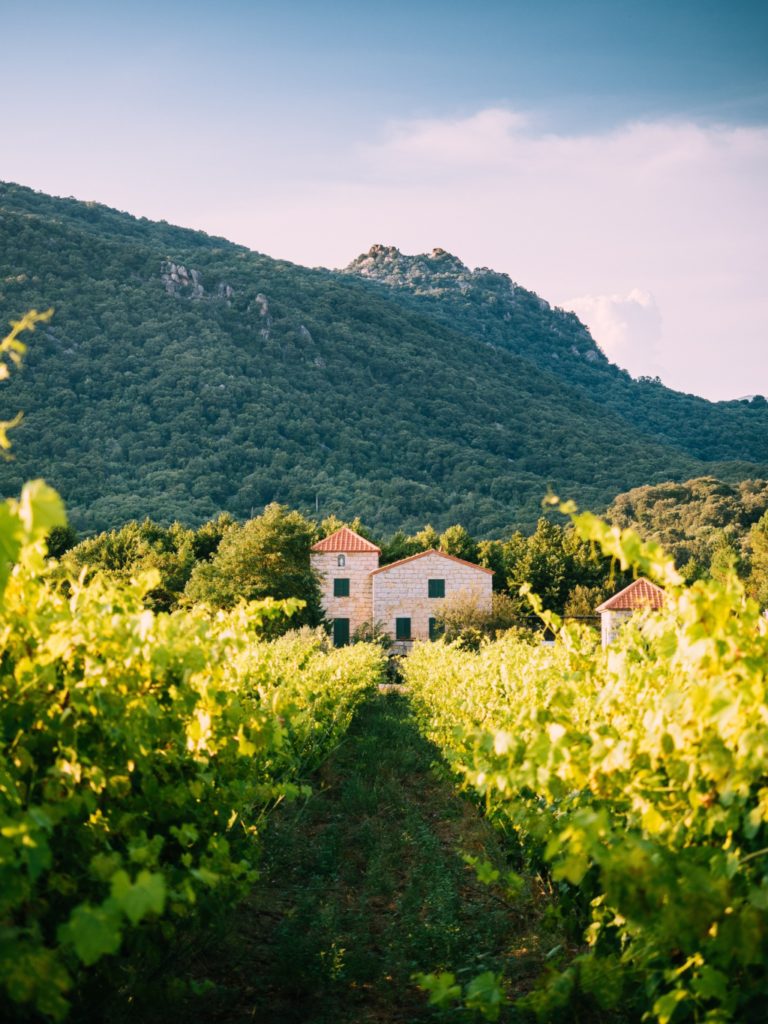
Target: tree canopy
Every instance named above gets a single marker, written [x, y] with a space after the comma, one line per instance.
[182, 376]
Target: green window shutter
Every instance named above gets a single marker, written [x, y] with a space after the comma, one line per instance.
[434, 630]
[341, 588]
[340, 632]
[436, 588]
[402, 629]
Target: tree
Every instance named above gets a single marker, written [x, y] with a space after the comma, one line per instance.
[266, 557]
[399, 546]
[757, 543]
[725, 558]
[457, 541]
[490, 554]
[463, 618]
[60, 540]
[427, 538]
[138, 547]
[207, 538]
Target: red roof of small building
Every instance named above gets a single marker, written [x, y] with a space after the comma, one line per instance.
[345, 540]
[432, 551]
[639, 594]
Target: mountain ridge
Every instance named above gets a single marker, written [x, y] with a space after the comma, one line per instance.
[184, 374]
[498, 307]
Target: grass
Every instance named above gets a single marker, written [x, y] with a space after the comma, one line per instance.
[363, 885]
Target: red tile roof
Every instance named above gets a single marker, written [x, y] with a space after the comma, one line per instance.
[345, 540]
[421, 554]
[639, 594]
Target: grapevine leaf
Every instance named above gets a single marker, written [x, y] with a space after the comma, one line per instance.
[40, 508]
[442, 987]
[137, 899]
[93, 931]
[484, 993]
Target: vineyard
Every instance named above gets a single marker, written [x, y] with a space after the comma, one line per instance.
[523, 832]
[144, 755]
[141, 753]
[638, 781]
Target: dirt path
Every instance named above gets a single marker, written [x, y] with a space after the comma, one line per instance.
[363, 885]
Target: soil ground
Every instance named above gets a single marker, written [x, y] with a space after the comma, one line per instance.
[363, 885]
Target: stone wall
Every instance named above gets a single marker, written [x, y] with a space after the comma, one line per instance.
[359, 565]
[611, 622]
[401, 591]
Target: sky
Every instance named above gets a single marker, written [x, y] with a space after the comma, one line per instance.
[610, 155]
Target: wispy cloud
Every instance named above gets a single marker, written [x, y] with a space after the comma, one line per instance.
[658, 228]
[675, 210]
[626, 327]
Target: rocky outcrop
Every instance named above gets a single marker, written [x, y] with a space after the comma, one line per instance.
[489, 304]
[187, 283]
[435, 273]
[178, 280]
[262, 305]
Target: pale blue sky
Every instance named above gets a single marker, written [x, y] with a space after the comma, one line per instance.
[613, 156]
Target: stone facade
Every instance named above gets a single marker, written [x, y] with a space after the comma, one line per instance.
[611, 622]
[357, 568]
[401, 591]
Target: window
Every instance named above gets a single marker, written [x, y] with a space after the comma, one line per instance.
[340, 632]
[341, 561]
[402, 629]
[436, 588]
[341, 588]
[435, 632]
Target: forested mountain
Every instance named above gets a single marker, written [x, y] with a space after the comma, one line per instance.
[182, 375]
[491, 307]
[700, 522]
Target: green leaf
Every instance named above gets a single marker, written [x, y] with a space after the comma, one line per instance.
[40, 509]
[486, 873]
[710, 984]
[484, 993]
[442, 987]
[666, 1005]
[144, 896]
[93, 931]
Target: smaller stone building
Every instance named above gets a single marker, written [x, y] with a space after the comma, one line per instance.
[403, 598]
[614, 612]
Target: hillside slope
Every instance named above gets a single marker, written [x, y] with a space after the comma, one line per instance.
[499, 312]
[183, 374]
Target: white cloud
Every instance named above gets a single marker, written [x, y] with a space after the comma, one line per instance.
[476, 140]
[626, 327]
[675, 209]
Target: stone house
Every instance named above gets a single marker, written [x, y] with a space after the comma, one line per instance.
[614, 612]
[403, 598]
[344, 561]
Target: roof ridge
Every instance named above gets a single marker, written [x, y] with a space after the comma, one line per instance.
[640, 593]
[345, 540]
[431, 551]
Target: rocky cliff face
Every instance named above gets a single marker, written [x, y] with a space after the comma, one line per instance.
[436, 273]
[178, 280]
[187, 283]
[493, 306]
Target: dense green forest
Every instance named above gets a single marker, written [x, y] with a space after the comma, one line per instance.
[182, 376]
[707, 525]
[491, 307]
